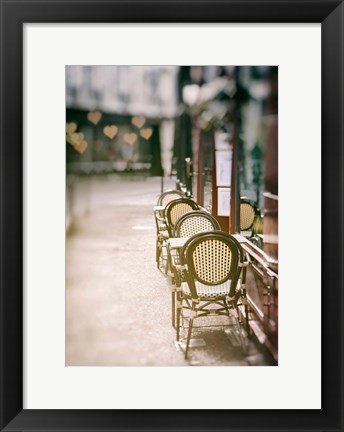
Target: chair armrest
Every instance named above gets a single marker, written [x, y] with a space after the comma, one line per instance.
[159, 218]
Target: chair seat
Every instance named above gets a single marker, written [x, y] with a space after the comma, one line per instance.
[208, 290]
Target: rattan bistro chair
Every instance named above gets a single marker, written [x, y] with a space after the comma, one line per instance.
[169, 196]
[161, 228]
[211, 264]
[175, 210]
[195, 222]
[248, 214]
[191, 223]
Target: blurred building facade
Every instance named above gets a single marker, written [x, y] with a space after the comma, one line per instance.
[127, 90]
[123, 115]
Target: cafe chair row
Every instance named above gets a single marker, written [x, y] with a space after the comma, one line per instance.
[191, 223]
[207, 266]
[208, 280]
[161, 227]
[166, 216]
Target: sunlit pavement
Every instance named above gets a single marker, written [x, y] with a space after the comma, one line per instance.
[118, 304]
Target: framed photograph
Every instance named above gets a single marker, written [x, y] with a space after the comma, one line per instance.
[223, 201]
[39, 390]
[223, 167]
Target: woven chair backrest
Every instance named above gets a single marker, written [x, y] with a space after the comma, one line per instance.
[169, 196]
[248, 213]
[176, 209]
[218, 233]
[213, 258]
[195, 222]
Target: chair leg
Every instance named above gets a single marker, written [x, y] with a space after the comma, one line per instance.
[189, 337]
[241, 337]
[158, 252]
[247, 325]
[167, 265]
[168, 260]
[178, 324]
[239, 332]
[246, 319]
[178, 314]
[227, 310]
[193, 314]
[244, 301]
[179, 311]
[173, 304]
[164, 257]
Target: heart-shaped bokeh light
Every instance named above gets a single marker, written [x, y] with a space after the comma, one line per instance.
[94, 117]
[76, 138]
[146, 133]
[138, 121]
[71, 128]
[110, 131]
[130, 138]
[81, 146]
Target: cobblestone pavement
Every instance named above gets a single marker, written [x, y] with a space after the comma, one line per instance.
[118, 304]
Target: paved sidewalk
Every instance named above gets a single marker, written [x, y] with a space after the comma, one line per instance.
[118, 305]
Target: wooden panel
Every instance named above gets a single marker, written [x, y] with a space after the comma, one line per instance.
[262, 296]
[270, 238]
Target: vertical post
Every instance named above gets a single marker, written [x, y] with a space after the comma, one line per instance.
[234, 204]
[235, 184]
[188, 182]
[201, 177]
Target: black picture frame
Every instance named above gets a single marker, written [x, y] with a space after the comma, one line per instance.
[14, 13]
